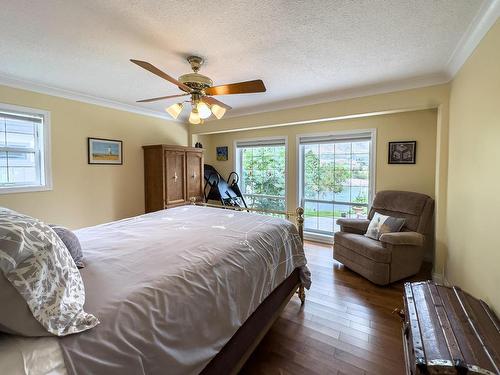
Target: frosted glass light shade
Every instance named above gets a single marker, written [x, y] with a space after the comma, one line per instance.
[194, 117]
[218, 111]
[174, 110]
[203, 110]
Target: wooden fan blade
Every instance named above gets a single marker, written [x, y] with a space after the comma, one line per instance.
[247, 87]
[211, 101]
[161, 98]
[153, 69]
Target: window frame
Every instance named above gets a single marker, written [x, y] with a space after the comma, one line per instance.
[237, 158]
[42, 150]
[300, 170]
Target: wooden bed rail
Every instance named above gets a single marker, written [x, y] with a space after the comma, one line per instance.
[299, 220]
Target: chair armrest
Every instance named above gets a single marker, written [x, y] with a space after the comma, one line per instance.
[354, 225]
[403, 238]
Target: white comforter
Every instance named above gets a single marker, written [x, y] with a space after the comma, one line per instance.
[170, 289]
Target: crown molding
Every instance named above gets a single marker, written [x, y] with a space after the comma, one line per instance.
[485, 18]
[487, 15]
[346, 94]
[80, 97]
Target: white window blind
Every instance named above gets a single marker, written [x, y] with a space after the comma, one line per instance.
[335, 138]
[273, 142]
[22, 151]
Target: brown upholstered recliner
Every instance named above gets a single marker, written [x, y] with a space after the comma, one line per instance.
[396, 255]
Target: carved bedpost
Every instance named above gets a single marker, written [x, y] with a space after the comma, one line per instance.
[300, 226]
[300, 222]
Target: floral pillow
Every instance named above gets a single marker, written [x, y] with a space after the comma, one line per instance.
[36, 262]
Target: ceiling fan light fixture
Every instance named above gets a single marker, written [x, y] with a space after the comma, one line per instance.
[218, 111]
[174, 110]
[194, 117]
[203, 110]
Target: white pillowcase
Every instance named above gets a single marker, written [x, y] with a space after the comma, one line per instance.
[36, 262]
[381, 224]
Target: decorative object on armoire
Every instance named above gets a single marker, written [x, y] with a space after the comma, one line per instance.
[222, 153]
[105, 151]
[402, 152]
[396, 255]
[172, 175]
[448, 331]
[198, 145]
[201, 90]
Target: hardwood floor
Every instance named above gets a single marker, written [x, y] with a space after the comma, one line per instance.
[345, 327]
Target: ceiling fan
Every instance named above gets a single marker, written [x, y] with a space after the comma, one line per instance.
[201, 90]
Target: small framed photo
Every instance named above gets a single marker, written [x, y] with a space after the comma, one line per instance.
[403, 152]
[105, 151]
[222, 153]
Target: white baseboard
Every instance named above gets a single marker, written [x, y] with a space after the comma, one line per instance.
[439, 278]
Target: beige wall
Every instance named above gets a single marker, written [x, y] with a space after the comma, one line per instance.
[436, 97]
[473, 260]
[415, 125]
[85, 194]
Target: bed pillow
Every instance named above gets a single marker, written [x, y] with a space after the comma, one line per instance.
[72, 243]
[37, 264]
[381, 224]
[15, 315]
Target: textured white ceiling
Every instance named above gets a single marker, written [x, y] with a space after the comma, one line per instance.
[304, 51]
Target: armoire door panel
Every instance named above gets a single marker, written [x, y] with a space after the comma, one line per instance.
[194, 175]
[175, 177]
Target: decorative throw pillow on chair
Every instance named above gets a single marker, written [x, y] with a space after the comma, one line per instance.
[381, 224]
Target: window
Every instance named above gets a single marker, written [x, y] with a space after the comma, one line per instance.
[261, 165]
[24, 155]
[335, 179]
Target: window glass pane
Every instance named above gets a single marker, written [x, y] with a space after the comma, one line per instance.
[2, 139]
[22, 175]
[19, 126]
[311, 216]
[3, 175]
[21, 159]
[3, 159]
[343, 148]
[20, 140]
[335, 183]
[361, 147]
[263, 176]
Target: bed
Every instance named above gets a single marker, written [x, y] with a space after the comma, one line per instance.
[181, 291]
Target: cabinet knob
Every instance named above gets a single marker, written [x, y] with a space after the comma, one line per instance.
[175, 176]
[194, 175]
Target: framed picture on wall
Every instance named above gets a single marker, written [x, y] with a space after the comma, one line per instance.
[105, 151]
[222, 153]
[402, 152]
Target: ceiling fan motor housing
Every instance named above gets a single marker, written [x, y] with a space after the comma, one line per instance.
[196, 81]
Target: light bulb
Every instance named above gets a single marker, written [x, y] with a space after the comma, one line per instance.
[203, 110]
[174, 110]
[218, 111]
[194, 117]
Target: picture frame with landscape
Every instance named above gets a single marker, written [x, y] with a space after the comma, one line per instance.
[105, 151]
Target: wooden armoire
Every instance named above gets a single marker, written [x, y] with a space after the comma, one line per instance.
[172, 176]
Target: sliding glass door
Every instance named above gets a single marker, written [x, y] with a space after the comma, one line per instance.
[335, 179]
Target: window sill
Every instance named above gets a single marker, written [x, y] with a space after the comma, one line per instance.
[317, 237]
[24, 189]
